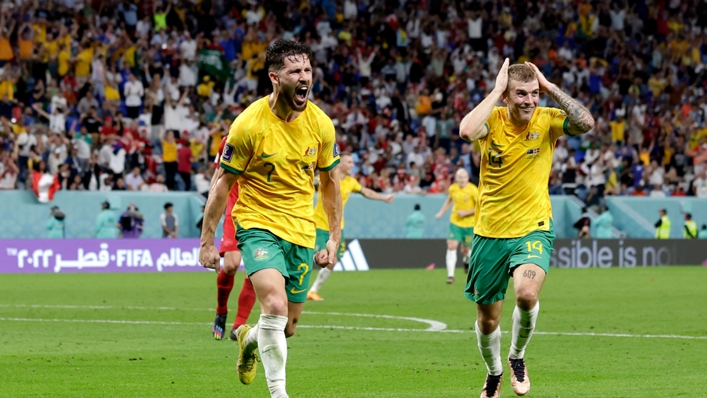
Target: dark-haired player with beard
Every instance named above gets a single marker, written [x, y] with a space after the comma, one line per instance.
[272, 151]
[513, 231]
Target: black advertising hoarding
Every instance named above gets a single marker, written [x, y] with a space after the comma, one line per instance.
[568, 253]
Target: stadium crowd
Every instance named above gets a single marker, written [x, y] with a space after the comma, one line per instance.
[136, 95]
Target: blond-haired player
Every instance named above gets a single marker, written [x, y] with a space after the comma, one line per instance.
[463, 195]
[272, 150]
[513, 231]
[348, 186]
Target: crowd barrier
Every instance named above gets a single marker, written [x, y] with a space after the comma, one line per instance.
[25, 256]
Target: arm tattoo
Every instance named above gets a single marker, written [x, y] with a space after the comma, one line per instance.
[580, 120]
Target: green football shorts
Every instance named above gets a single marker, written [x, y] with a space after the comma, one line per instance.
[493, 261]
[261, 250]
[461, 235]
[323, 237]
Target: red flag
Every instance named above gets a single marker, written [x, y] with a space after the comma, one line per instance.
[44, 186]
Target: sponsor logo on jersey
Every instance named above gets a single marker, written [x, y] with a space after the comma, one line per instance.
[227, 153]
[532, 136]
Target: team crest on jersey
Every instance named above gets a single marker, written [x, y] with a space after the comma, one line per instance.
[533, 153]
[310, 151]
[261, 255]
[532, 136]
[227, 152]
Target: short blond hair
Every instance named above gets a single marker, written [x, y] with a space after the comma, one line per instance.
[520, 73]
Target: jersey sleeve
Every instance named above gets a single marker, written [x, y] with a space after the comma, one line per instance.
[217, 160]
[238, 149]
[559, 123]
[328, 149]
[493, 119]
[356, 186]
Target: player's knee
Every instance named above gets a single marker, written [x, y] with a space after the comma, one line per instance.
[274, 305]
[487, 324]
[452, 245]
[526, 298]
[230, 269]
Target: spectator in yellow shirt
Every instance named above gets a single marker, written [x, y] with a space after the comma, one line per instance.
[7, 85]
[26, 47]
[169, 157]
[51, 46]
[83, 64]
[64, 59]
[6, 54]
[618, 128]
[206, 87]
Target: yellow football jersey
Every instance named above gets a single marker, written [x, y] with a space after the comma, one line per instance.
[348, 186]
[464, 199]
[276, 161]
[515, 170]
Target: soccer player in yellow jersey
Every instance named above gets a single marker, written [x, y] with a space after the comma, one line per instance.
[513, 232]
[463, 195]
[272, 150]
[348, 186]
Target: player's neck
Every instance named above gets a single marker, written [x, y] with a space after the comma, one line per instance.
[281, 109]
[515, 122]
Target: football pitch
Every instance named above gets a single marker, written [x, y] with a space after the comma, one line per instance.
[638, 332]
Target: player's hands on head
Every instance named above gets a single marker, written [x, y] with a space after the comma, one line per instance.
[545, 85]
[209, 257]
[502, 78]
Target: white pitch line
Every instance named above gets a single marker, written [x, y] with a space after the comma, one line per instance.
[104, 307]
[118, 321]
[129, 322]
[435, 326]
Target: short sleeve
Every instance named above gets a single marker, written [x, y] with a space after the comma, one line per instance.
[238, 149]
[356, 186]
[493, 120]
[559, 123]
[217, 160]
[328, 149]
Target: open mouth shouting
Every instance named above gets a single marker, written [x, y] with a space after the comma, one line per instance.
[301, 95]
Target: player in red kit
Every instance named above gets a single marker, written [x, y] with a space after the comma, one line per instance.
[231, 261]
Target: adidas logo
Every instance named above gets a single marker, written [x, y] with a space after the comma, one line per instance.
[353, 259]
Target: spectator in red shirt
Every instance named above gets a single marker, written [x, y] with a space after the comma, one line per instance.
[184, 160]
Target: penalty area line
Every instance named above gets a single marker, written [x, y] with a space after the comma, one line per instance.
[365, 328]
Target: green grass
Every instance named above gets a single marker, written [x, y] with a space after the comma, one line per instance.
[71, 359]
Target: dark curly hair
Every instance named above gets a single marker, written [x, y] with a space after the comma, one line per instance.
[281, 49]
